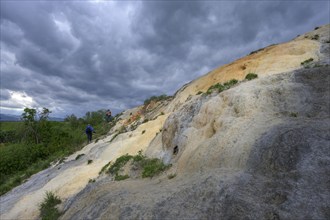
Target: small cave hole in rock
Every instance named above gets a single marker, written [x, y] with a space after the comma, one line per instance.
[175, 150]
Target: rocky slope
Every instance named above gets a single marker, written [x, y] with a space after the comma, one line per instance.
[259, 150]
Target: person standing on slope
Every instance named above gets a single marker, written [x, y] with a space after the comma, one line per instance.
[108, 116]
[89, 132]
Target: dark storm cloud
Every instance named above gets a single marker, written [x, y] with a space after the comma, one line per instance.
[78, 56]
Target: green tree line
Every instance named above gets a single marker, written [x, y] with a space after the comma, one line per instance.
[29, 146]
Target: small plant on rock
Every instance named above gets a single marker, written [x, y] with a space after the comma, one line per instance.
[307, 63]
[118, 164]
[47, 207]
[121, 177]
[152, 167]
[79, 156]
[251, 76]
[105, 167]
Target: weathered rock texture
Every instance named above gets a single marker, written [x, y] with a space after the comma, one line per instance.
[260, 150]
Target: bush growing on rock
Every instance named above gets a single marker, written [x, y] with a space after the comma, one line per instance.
[251, 76]
[48, 211]
[149, 166]
[156, 99]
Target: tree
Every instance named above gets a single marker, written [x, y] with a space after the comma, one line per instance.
[44, 114]
[30, 129]
[44, 126]
[36, 130]
[72, 120]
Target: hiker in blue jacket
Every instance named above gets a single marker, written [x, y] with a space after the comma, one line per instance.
[89, 132]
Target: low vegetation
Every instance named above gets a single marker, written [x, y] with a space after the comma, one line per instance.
[310, 64]
[31, 145]
[79, 156]
[306, 62]
[251, 76]
[221, 87]
[149, 166]
[156, 99]
[48, 210]
[105, 167]
[118, 164]
[152, 167]
[218, 87]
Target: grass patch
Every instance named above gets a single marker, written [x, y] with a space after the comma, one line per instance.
[149, 166]
[79, 156]
[315, 37]
[145, 120]
[251, 76]
[89, 161]
[156, 99]
[219, 87]
[294, 114]
[104, 168]
[91, 181]
[152, 167]
[121, 177]
[307, 63]
[139, 157]
[48, 210]
[171, 176]
[230, 83]
[199, 93]
[113, 138]
[118, 164]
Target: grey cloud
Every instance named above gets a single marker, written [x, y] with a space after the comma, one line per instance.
[4, 94]
[76, 56]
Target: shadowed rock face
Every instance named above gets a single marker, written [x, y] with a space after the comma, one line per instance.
[259, 150]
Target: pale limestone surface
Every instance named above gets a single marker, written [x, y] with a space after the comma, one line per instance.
[74, 178]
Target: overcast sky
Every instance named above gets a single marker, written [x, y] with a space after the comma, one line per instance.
[79, 56]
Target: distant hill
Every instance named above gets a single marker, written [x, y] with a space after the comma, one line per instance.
[9, 117]
[5, 117]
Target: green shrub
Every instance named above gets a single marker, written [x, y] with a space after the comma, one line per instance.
[149, 166]
[8, 136]
[294, 114]
[89, 161]
[105, 167]
[230, 83]
[306, 62]
[79, 156]
[251, 76]
[118, 164]
[152, 167]
[171, 176]
[219, 87]
[156, 99]
[121, 177]
[139, 157]
[113, 138]
[48, 211]
[315, 37]
[200, 92]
